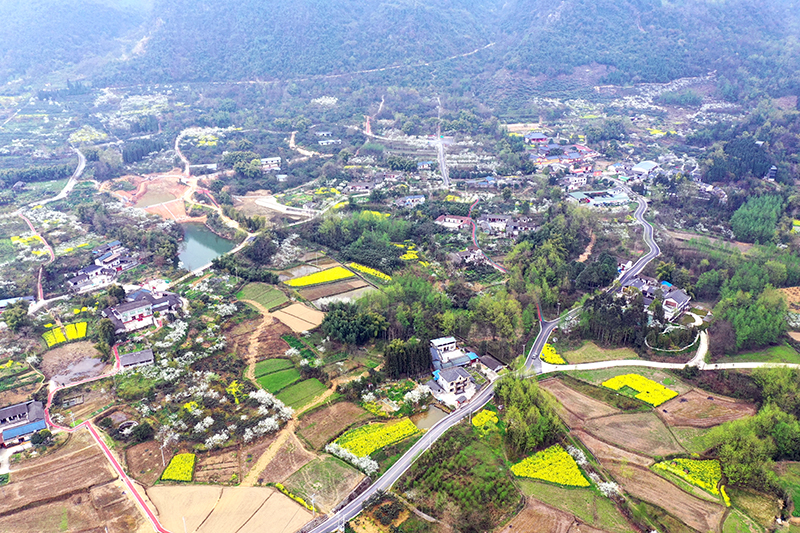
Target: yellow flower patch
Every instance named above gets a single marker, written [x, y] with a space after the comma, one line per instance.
[76, 331]
[484, 417]
[549, 355]
[554, 465]
[372, 437]
[326, 276]
[649, 391]
[371, 271]
[53, 337]
[704, 474]
[181, 468]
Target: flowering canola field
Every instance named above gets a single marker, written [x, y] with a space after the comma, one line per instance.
[326, 276]
[76, 331]
[53, 337]
[705, 474]
[181, 468]
[554, 465]
[549, 355]
[371, 271]
[649, 391]
[372, 437]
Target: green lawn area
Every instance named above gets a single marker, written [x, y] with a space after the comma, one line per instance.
[589, 352]
[300, 394]
[774, 354]
[597, 377]
[271, 365]
[695, 440]
[262, 293]
[587, 504]
[739, 523]
[790, 480]
[279, 380]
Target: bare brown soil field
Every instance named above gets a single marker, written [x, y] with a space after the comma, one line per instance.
[251, 453]
[20, 394]
[173, 210]
[85, 512]
[299, 317]
[538, 517]
[270, 343]
[75, 482]
[795, 335]
[321, 426]
[581, 405]
[289, 459]
[60, 360]
[792, 297]
[696, 410]
[606, 452]
[332, 289]
[349, 295]
[638, 432]
[217, 467]
[645, 485]
[214, 509]
[297, 272]
[144, 461]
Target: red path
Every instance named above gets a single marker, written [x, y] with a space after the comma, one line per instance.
[98, 438]
[475, 239]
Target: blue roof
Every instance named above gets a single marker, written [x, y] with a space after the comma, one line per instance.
[472, 356]
[666, 283]
[19, 431]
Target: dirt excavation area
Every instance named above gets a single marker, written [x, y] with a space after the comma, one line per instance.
[703, 410]
[72, 362]
[209, 509]
[72, 488]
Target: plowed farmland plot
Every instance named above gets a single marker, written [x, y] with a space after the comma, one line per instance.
[645, 485]
[578, 404]
[241, 509]
[695, 409]
[332, 289]
[639, 432]
[77, 466]
[329, 478]
[289, 459]
[217, 467]
[322, 426]
[144, 461]
[540, 517]
[299, 318]
[607, 452]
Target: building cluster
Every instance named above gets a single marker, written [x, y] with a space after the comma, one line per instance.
[453, 384]
[674, 300]
[606, 198]
[109, 261]
[18, 422]
[139, 309]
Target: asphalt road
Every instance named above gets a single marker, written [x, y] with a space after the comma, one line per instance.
[482, 398]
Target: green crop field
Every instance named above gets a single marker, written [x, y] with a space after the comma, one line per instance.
[774, 354]
[271, 365]
[279, 380]
[301, 393]
[262, 293]
[589, 352]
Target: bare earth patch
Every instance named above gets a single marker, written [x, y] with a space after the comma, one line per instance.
[144, 461]
[606, 452]
[645, 485]
[60, 360]
[299, 317]
[696, 410]
[320, 427]
[220, 467]
[583, 407]
[289, 459]
[332, 288]
[537, 516]
[638, 432]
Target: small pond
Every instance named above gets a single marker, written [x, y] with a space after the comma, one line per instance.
[429, 418]
[200, 246]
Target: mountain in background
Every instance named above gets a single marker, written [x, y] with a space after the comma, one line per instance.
[753, 45]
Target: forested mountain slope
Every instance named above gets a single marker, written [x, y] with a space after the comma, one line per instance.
[40, 36]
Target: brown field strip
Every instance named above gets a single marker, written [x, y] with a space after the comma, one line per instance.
[606, 452]
[639, 432]
[321, 426]
[579, 404]
[696, 410]
[332, 289]
[299, 317]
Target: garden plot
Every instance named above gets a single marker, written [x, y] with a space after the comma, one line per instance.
[332, 289]
[288, 460]
[320, 427]
[576, 403]
[297, 272]
[144, 461]
[643, 484]
[695, 409]
[639, 432]
[329, 478]
[300, 394]
[217, 467]
[597, 377]
[299, 317]
[242, 509]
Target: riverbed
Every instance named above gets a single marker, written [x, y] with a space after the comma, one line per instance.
[200, 246]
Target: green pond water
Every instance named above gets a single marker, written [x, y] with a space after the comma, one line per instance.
[200, 246]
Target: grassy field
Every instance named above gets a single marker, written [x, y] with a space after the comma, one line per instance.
[760, 507]
[774, 354]
[695, 440]
[586, 504]
[328, 479]
[272, 365]
[790, 480]
[279, 380]
[589, 352]
[597, 377]
[300, 394]
[739, 523]
[262, 293]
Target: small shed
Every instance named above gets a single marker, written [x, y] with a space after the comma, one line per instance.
[134, 359]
